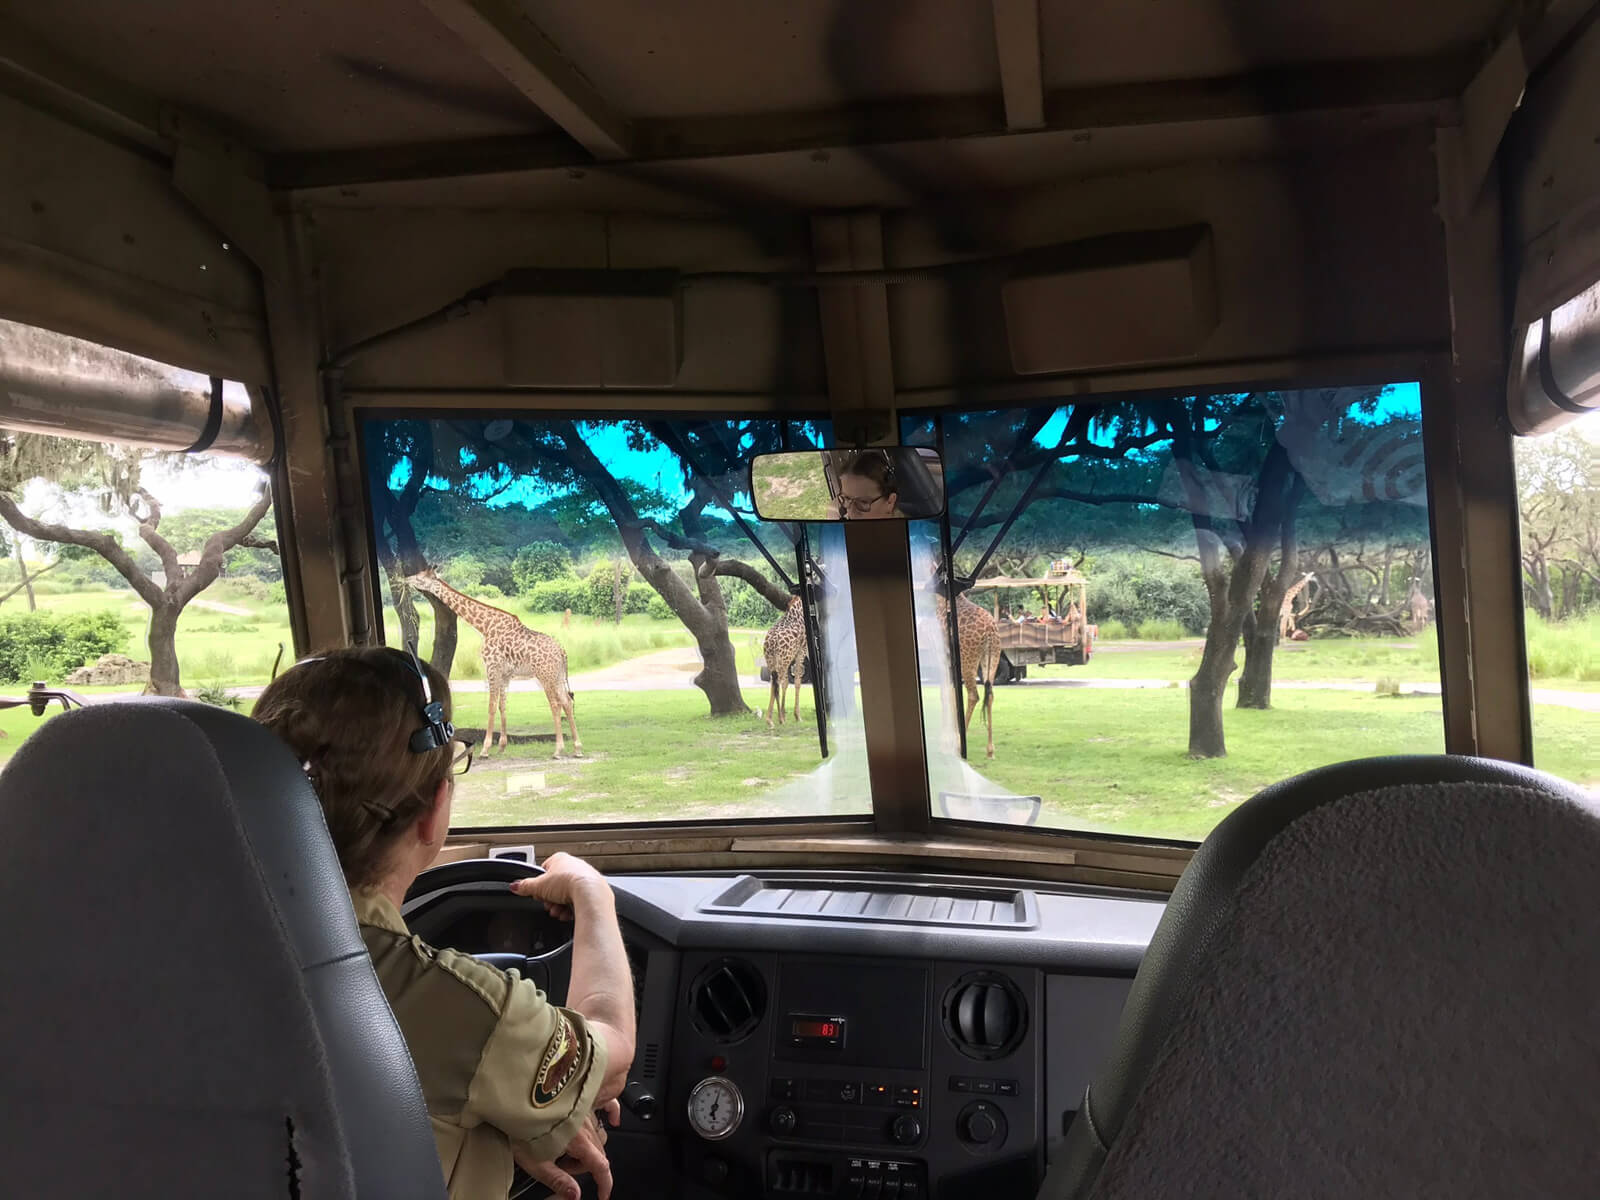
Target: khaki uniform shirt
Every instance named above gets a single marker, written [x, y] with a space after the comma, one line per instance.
[498, 1062]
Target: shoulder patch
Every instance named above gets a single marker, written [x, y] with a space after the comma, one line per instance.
[559, 1066]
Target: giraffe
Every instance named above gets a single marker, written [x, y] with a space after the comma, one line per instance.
[509, 648]
[786, 648]
[1286, 625]
[979, 638]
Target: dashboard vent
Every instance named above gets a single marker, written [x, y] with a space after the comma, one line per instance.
[985, 1015]
[650, 1060]
[728, 999]
[861, 902]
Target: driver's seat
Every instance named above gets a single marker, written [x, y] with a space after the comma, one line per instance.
[187, 1004]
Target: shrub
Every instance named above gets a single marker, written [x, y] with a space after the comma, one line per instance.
[1162, 630]
[1564, 649]
[31, 643]
[557, 595]
[215, 665]
[657, 607]
[540, 562]
[1113, 629]
[216, 693]
[277, 595]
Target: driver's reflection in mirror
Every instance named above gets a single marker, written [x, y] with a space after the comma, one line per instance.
[510, 1079]
[868, 489]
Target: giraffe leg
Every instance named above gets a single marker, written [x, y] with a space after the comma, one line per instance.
[488, 723]
[572, 718]
[783, 692]
[555, 715]
[799, 674]
[772, 694]
[505, 730]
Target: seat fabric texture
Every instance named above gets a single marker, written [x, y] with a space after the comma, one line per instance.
[1377, 979]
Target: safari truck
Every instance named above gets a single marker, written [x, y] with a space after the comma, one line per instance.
[1061, 635]
[463, 324]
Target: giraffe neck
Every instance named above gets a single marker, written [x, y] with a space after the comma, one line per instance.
[474, 612]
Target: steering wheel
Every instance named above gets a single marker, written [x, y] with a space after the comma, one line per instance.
[436, 886]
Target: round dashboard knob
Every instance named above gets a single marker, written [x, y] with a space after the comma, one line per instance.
[906, 1129]
[980, 1127]
[782, 1119]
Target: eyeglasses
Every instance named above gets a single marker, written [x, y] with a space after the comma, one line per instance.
[857, 505]
[461, 761]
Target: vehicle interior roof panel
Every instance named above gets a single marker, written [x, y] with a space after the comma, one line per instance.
[1097, 42]
[292, 74]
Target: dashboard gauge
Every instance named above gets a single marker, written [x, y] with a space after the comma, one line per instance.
[715, 1108]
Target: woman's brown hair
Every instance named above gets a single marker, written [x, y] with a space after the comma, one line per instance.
[875, 465]
[348, 715]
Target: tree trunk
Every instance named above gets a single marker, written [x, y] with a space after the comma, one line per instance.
[27, 581]
[164, 679]
[1255, 681]
[619, 589]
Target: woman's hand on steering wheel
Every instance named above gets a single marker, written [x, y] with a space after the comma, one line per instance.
[585, 1155]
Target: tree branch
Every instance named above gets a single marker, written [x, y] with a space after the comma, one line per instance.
[260, 543]
[217, 545]
[102, 544]
[776, 596]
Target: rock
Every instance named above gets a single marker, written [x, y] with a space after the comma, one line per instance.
[110, 669]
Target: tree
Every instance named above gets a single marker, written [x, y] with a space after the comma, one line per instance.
[539, 561]
[1558, 484]
[112, 474]
[1234, 468]
[550, 467]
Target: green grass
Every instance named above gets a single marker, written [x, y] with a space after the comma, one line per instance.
[1102, 759]
[1566, 650]
[1414, 660]
[793, 487]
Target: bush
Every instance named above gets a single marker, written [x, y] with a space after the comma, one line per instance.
[277, 595]
[216, 693]
[1564, 649]
[557, 595]
[540, 562]
[31, 643]
[1136, 590]
[1114, 630]
[1162, 630]
[657, 607]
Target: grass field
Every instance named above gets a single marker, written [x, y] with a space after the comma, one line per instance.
[1101, 758]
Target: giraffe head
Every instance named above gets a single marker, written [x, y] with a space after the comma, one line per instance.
[425, 580]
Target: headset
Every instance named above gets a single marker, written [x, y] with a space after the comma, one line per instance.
[436, 732]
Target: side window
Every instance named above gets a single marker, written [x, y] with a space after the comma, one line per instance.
[124, 568]
[1558, 484]
[1167, 603]
[635, 641]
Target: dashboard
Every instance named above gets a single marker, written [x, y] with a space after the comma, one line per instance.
[844, 1034]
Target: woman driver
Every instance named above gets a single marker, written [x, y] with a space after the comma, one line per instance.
[868, 489]
[508, 1076]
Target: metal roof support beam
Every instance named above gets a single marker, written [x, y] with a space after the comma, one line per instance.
[1016, 39]
[501, 34]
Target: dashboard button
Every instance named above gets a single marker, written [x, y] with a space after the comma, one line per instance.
[906, 1130]
[784, 1089]
[910, 1189]
[984, 1087]
[879, 1093]
[782, 1120]
[891, 1187]
[960, 1083]
[1006, 1087]
[874, 1187]
[847, 1092]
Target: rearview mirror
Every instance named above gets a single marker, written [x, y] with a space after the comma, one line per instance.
[895, 483]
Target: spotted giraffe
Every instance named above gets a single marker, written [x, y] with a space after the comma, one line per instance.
[1286, 625]
[510, 648]
[979, 638]
[786, 648]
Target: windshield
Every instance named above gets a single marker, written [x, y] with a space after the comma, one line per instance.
[1121, 556]
[619, 562]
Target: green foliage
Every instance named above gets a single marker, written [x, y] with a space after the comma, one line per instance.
[218, 694]
[539, 562]
[1136, 589]
[1162, 630]
[46, 646]
[557, 595]
[1564, 649]
[1113, 630]
[188, 530]
[747, 608]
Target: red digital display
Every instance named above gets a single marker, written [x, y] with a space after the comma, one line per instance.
[813, 1031]
[818, 1029]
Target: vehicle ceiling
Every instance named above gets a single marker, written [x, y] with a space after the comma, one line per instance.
[718, 101]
